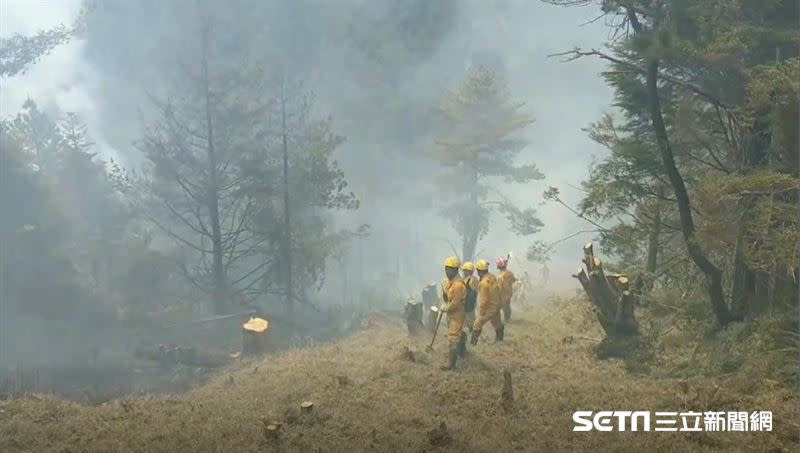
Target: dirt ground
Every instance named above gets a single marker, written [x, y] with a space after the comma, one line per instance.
[368, 397]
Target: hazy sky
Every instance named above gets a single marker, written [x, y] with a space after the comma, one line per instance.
[562, 97]
[60, 81]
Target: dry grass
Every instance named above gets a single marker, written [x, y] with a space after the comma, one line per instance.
[368, 398]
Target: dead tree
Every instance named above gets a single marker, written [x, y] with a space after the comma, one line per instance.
[610, 294]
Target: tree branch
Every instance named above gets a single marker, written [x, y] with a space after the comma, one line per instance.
[577, 53]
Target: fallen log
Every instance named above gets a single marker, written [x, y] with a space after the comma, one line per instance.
[170, 355]
[610, 294]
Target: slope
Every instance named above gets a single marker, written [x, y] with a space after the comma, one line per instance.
[369, 398]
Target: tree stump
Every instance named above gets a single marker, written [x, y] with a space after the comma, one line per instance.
[507, 397]
[610, 294]
[307, 406]
[433, 316]
[413, 316]
[412, 355]
[271, 430]
[440, 436]
[254, 337]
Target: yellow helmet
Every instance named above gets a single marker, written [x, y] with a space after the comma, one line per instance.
[451, 262]
[482, 265]
[467, 266]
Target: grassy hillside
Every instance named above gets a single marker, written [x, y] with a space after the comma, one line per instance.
[369, 398]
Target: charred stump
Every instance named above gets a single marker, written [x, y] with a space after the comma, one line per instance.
[413, 316]
[610, 295]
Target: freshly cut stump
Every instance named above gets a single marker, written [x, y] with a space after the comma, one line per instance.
[254, 337]
[306, 406]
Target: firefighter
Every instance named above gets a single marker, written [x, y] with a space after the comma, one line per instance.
[429, 296]
[454, 294]
[505, 283]
[488, 304]
[471, 282]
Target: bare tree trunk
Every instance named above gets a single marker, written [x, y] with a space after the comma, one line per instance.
[220, 303]
[645, 282]
[469, 244]
[653, 238]
[712, 273]
[287, 225]
[472, 219]
[743, 284]
[652, 248]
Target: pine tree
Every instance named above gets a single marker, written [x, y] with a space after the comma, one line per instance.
[478, 146]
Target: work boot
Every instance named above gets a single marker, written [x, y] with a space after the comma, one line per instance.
[451, 359]
[499, 333]
[475, 335]
[462, 345]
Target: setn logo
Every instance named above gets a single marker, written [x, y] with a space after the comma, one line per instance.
[604, 420]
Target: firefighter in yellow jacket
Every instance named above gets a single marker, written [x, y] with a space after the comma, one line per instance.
[454, 295]
[488, 304]
[470, 302]
[505, 283]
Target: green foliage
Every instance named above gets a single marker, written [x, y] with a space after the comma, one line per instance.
[478, 146]
[776, 90]
[39, 239]
[538, 252]
[316, 185]
[19, 52]
[729, 95]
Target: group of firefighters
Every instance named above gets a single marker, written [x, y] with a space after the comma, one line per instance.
[463, 294]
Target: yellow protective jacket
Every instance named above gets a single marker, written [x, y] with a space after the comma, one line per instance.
[456, 292]
[505, 284]
[488, 295]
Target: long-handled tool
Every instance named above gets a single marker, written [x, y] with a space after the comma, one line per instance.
[429, 348]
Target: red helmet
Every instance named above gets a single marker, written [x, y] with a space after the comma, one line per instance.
[501, 263]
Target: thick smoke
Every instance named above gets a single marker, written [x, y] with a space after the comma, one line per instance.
[378, 67]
